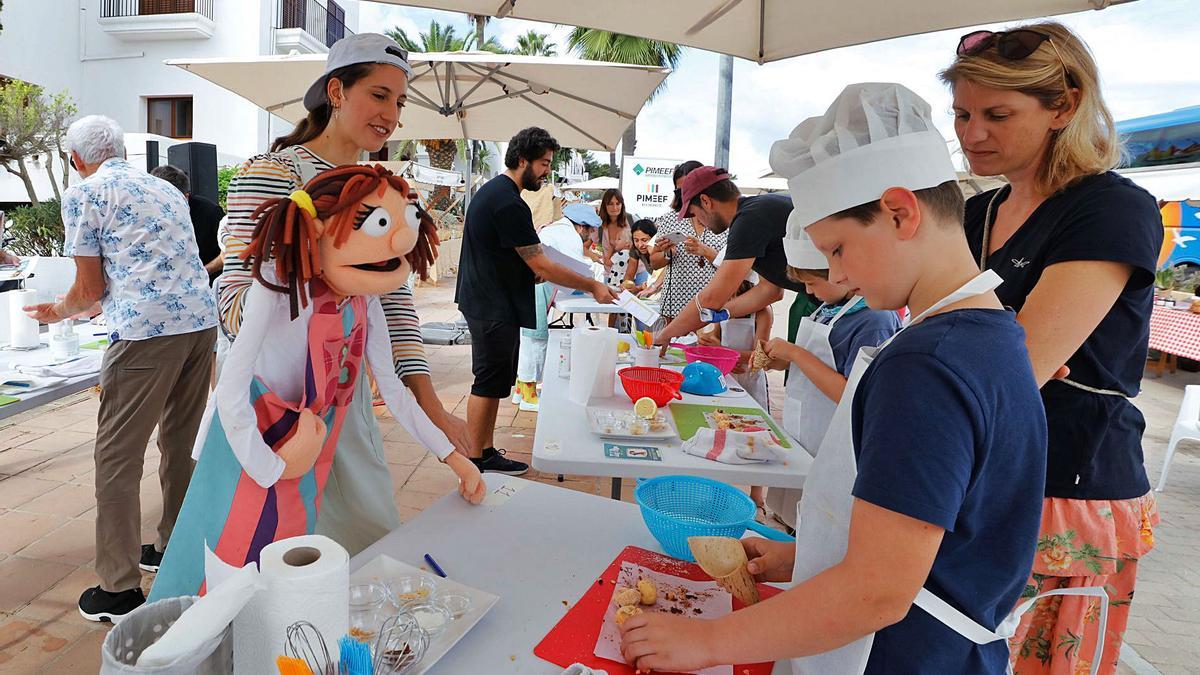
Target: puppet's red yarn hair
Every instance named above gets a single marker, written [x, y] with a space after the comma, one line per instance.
[286, 233]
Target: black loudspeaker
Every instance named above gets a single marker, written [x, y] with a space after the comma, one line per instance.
[151, 155]
[199, 161]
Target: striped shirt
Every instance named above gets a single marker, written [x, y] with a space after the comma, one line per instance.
[278, 174]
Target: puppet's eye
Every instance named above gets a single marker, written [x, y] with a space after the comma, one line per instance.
[377, 223]
[412, 215]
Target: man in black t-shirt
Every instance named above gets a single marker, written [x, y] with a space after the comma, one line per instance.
[206, 216]
[501, 260]
[756, 227]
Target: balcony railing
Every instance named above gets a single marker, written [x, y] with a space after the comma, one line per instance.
[326, 23]
[123, 8]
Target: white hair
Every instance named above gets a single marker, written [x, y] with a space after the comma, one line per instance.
[96, 138]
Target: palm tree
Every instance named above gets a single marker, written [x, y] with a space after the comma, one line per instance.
[439, 38]
[601, 45]
[534, 43]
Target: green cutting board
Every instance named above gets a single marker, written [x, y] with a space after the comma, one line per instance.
[690, 416]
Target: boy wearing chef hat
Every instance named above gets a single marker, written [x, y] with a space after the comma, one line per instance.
[927, 487]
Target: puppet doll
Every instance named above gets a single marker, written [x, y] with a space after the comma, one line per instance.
[319, 258]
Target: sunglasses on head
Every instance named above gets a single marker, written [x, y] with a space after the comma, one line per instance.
[1013, 45]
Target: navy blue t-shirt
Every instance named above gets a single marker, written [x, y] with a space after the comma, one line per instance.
[860, 328]
[1095, 443]
[948, 428]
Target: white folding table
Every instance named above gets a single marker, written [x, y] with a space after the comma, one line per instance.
[539, 551]
[41, 356]
[563, 444]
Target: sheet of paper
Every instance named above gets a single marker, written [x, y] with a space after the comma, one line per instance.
[684, 597]
[503, 493]
[640, 310]
[576, 265]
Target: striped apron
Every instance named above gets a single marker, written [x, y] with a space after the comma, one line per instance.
[224, 507]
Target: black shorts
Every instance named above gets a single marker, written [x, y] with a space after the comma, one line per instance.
[494, 347]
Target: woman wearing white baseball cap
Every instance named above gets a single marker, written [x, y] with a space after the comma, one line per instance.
[353, 108]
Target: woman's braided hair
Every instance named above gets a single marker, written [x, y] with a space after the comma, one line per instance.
[286, 232]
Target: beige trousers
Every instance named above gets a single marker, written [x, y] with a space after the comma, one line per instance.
[163, 382]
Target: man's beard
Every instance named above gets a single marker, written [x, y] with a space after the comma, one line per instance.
[530, 181]
[716, 223]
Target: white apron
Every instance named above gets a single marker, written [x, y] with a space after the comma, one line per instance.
[740, 334]
[807, 411]
[823, 516]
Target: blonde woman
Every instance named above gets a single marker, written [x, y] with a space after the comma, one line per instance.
[1077, 246]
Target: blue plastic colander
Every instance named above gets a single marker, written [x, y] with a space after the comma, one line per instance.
[678, 507]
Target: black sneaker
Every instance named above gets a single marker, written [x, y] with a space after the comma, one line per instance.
[151, 559]
[494, 461]
[97, 604]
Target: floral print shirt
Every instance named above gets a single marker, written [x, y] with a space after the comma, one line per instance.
[140, 226]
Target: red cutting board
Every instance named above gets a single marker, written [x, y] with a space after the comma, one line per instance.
[573, 639]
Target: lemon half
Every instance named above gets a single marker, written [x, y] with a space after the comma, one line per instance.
[645, 407]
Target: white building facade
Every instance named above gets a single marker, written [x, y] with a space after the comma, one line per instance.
[108, 55]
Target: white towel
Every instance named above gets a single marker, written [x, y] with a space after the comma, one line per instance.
[87, 364]
[734, 447]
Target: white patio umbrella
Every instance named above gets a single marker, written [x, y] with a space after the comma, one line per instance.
[766, 30]
[754, 186]
[471, 95]
[594, 185]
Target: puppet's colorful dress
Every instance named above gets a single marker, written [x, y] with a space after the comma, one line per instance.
[255, 515]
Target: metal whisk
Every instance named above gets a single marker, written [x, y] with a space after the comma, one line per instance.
[305, 642]
[400, 646]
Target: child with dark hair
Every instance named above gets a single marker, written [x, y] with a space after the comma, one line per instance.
[638, 272]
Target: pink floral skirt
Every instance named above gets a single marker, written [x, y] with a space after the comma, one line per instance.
[1082, 543]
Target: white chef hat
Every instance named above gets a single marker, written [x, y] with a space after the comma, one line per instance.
[873, 137]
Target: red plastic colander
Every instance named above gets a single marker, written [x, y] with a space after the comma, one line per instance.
[659, 384]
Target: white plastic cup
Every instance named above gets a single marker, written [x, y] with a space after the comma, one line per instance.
[645, 356]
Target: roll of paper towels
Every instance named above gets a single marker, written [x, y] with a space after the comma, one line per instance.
[23, 330]
[304, 578]
[593, 363]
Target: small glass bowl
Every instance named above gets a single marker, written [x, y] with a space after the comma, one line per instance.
[363, 596]
[455, 603]
[367, 610]
[412, 589]
[432, 617]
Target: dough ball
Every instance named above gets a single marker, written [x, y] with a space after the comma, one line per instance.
[626, 612]
[627, 596]
[648, 590]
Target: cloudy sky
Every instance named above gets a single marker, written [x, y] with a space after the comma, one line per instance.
[1147, 50]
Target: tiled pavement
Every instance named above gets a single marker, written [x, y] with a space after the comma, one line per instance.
[47, 513]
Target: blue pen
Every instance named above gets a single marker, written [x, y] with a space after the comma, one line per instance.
[436, 567]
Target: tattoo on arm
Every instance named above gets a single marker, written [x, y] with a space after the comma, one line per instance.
[528, 253]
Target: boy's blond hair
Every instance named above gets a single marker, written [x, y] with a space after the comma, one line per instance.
[799, 275]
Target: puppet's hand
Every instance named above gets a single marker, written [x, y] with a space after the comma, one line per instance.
[300, 451]
[470, 483]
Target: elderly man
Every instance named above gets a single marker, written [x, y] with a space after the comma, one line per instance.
[136, 254]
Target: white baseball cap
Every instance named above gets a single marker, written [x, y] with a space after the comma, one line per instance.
[874, 136]
[353, 50]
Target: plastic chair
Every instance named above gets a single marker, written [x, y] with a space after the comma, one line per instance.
[1187, 426]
